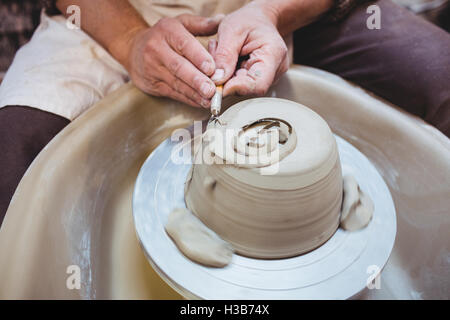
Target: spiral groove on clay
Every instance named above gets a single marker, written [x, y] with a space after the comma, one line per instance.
[257, 144]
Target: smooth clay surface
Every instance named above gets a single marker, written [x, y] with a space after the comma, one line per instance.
[293, 209]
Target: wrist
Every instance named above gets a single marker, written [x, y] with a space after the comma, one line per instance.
[121, 47]
[289, 15]
[268, 9]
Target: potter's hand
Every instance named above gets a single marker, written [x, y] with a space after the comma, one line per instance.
[250, 31]
[166, 59]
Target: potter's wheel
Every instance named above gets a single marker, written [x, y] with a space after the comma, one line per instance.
[73, 206]
[338, 269]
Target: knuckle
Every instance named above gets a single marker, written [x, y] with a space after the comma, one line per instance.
[149, 50]
[177, 85]
[160, 88]
[175, 66]
[224, 53]
[164, 23]
[181, 43]
[194, 97]
[228, 25]
[197, 82]
[183, 17]
[153, 83]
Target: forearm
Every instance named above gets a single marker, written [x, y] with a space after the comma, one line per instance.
[112, 23]
[289, 15]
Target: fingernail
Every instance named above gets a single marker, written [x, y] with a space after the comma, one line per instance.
[206, 67]
[206, 89]
[218, 75]
[204, 103]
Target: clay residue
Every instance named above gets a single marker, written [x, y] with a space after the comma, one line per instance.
[196, 241]
[357, 207]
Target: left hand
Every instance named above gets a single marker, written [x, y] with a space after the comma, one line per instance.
[250, 31]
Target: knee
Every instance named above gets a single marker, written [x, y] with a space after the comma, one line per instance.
[439, 113]
[24, 132]
[430, 90]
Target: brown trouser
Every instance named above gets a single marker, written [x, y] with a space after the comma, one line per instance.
[406, 62]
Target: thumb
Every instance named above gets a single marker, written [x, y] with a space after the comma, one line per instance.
[226, 55]
[200, 26]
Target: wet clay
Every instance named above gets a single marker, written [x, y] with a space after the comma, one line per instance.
[196, 241]
[283, 205]
[357, 207]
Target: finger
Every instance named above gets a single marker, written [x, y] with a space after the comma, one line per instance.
[241, 72]
[165, 90]
[255, 81]
[239, 84]
[230, 42]
[184, 70]
[262, 67]
[263, 73]
[185, 44]
[200, 26]
[183, 88]
[247, 64]
[212, 47]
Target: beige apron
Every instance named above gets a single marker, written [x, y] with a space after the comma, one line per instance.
[154, 10]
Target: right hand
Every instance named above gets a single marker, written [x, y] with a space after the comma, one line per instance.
[249, 31]
[166, 59]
